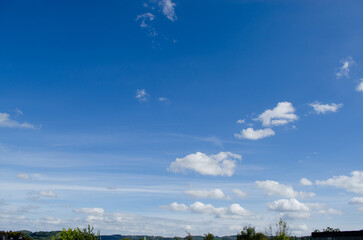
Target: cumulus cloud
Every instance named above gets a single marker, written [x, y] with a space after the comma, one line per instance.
[294, 209]
[222, 164]
[275, 188]
[240, 193]
[214, 193]
[282, 114]
[305, 182]
[6, 121]
[233, 211]
[167, 7]
[343, 71]
[353, 183]
[288, 205]
[360, 86]
[356, 200]
[252, 134]
[325, 108]
[142, 95]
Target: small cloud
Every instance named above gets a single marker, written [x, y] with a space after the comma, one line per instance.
[164, 100]
[356, 200]
[167, 7]
[343, 71]
[240, 193]
[41, 194]
[23, 176]
[282, 114]
[221, 164]
[275, 188]
[145, 18]
[6, 121]
[215, 193]
[18, 111]
[252, 134]
[241, 121]
[91, 211]
[142, 95]
[325, 108]
[360, 86]
[305, 182]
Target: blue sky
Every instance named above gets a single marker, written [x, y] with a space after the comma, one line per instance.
[165, 116]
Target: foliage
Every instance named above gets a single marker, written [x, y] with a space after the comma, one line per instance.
[208, 236]
[330, 229]
[282, 232]
[189, 236]
[15, 235]
[77, 234]
[249, 233]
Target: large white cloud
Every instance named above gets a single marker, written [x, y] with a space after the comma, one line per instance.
[344, 70]
[252, 134]
[325, 108]
[6, 121]
[274, 188]
[222, 164]
[282, 114]
[352, 183]
[232, 211]
[214, 193]
[288, 205]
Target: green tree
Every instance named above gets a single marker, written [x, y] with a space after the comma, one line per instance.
[208, 236]
[189, 236]
[330, 229]
[282, 232]
[249, 233]
[77, 234]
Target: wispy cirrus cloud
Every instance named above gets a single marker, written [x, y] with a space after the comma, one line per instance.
[320, 108]
[221, 164]
[142, 95]
[344, 70]
[6, 121]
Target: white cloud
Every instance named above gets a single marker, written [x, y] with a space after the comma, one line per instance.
[241, 121]
[6, 121]
[325, 108]
[360, 86]
[91, 211]
[222, 164]
[282, 114]
[345, 68]
[215, 193]
[240, 193]
[233, 211]
[48, 194]
[275, 188]
[252, 134]
[145, 18]
[23, 176]
[351, 184]
[305, 182]
[163, 99]
[142, 95]
[41, 194]
[356, 200]
[288, 205]
[167, 7]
